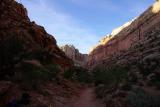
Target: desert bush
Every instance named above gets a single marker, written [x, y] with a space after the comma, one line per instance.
[31, 75]
[109, 77]
[69, 74]
[108, 80]
[54, 69]
[40, 73]
[139, 98]
[78, 74]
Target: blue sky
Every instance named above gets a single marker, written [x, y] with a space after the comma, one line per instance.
[83, 22]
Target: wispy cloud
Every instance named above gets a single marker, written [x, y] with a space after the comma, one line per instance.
[64, 27]
[67, 29]
[107, 5]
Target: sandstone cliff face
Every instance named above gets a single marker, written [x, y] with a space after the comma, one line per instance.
[16, 27]
[73, 53]
[134, 48]
[124, 39]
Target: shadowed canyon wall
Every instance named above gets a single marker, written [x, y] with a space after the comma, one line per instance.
[20, 36]
[127, 36]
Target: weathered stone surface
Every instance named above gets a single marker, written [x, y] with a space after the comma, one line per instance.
[73, 53]
[129, 43]
[16, 27]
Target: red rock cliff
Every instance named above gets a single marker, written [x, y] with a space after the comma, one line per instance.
[126, 36]
[15, 25]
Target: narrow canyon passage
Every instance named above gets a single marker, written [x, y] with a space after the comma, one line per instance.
[87, 98]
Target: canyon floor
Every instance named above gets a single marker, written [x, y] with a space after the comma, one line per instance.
[87, 98]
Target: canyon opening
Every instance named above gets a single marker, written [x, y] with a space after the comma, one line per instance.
[71, 53]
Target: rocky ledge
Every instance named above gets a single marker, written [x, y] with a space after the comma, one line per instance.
[73, 53]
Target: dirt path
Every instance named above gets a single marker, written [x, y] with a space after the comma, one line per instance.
[87, 99]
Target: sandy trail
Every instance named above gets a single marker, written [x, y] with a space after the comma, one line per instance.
[87, 99]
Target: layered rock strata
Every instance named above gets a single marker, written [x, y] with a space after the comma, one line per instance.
[123, 40]
[73, 53]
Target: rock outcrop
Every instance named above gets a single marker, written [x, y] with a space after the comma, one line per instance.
[19, 37]
[73, 53]
[123, 40]
[29, 56]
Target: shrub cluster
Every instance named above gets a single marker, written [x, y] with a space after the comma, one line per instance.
[78, 74]
[139, 98]
[109, 77]
[107, 81]
[31, 75]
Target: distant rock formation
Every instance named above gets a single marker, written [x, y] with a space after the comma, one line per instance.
[122, 43]
[73, 53]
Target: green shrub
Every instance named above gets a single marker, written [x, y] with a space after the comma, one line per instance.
[31, 75]
[32, 72]
[78, 74]
[54, 70]
[109, 77]
[139, 98]
[108, 80]
[69, 74]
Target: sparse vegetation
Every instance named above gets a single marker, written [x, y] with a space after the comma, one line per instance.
[30, 75]
[109, 77]
[39, 54]
[139, 98]
[42, 73]
[78, 74]
[10, 50]
[108, 80]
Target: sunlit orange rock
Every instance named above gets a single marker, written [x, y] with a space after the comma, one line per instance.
[126, 36]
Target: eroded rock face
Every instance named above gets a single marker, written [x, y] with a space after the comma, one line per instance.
[18, 36]
[23, 42]
[122, 45]
[73, 53]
